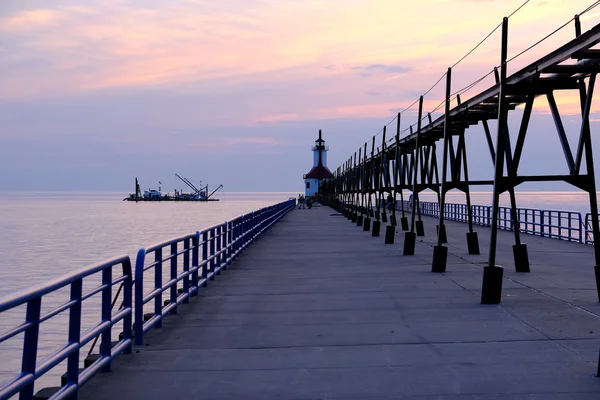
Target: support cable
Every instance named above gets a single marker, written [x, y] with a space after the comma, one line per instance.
[590, 8]
[541, 40]
[475, 83]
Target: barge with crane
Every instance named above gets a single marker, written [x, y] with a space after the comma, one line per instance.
[200, 193]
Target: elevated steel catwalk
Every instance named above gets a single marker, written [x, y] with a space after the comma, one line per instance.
[555, 74]
[410, 163]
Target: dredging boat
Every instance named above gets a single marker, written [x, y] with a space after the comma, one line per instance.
[198, 194]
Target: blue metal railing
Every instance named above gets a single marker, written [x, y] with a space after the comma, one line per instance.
[191, 260]
[557, 224]
[210, 251]
[588, 231]
[31, 370]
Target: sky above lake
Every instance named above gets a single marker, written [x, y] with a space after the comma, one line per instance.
[96, 93]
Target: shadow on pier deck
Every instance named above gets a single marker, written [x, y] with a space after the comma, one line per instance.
[320, 309]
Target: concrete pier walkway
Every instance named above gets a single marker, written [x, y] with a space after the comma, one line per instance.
[319, 309]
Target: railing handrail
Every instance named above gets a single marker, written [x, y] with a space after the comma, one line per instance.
[23, 296]
[535, 220]
[31, 369]
[175, 239]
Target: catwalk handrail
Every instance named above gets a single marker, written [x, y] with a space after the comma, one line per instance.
[557, 224]
[193, 259]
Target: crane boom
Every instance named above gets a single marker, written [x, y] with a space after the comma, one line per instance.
[213, 192]
[188, 183]
[192, 185]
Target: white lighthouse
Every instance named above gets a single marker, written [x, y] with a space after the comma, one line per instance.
[319, 170]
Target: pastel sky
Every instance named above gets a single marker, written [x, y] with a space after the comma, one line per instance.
[95, 93]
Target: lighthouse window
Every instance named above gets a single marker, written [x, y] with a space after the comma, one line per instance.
[308, 185]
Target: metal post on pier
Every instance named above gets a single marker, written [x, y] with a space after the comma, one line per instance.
[586, 140]
[359, 188]
[410, 237]
[369, 190]
[383, 174]
[353, 181]
[396, 169]
[390, 232]
[401, 167]
[440, 252]
[377, 185]
[472, 238]
[491, 292]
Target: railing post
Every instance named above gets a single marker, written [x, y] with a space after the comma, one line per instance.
[173, 288]
[230, 228]
[219, 257]
[238, 235]
[244, 232]
[30, 344]
[252, 226]
[158, 285]
[225, 258]
[195, 262]
[74, 331]
[127, 302]
[139, 297]
[234, 238]
[579, 220]
[186, 268]
[106, 316]
[542, 223]
[211, 269]
[244, 228]
[204, 258]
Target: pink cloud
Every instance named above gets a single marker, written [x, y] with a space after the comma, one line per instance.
[129, 45]
[277, 118]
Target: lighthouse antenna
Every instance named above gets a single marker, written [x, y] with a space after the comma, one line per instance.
[320, 148]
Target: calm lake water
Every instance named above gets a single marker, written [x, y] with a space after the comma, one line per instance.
[45, 235]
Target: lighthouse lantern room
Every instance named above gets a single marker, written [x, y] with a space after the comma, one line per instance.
[319, 170]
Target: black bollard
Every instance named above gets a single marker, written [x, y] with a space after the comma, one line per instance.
[521, 258]
[444, 237]
[367, 224]
[473, 243]
[376, 228]
[404, 223]
[491, 291]
[384, 217]
[359, 220]
[440, 255]
[420, 228]
[393, 220]
[410, 239]
[354, 217]
[390, 233]
[372, 213]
